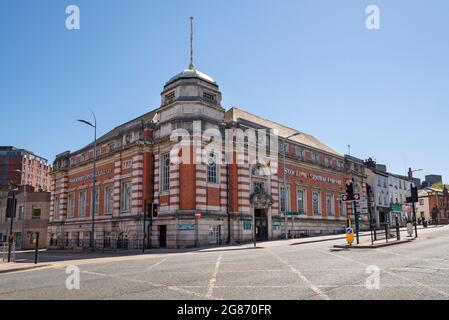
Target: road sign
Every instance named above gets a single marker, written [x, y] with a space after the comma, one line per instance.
[354, 197]
[350, 235]
[397, 208]
[363, 205]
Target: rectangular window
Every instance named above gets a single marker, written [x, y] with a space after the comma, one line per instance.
[126, 196]
[285, 199]
[165, 172]
[330, 204]
[301, 202]
[56, 208]
[212, 168]
[300, 152]
[82, 204]
[316, 203]
[108, 199]
[258, 187]
[170, 97]
[71, 207]
[35, 212]
[341, 207]
[209, 97]
[314, 156]
[21, 212]
[282, 147]
[421, 202]
[111, 146]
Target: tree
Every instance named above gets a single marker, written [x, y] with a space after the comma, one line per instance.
[440, 186]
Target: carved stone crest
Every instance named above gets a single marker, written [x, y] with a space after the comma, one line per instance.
[260, 170]
[261, 200]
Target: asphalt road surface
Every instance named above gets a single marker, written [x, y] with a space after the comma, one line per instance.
[417, 270]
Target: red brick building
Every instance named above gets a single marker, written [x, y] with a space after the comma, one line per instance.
[191, 156]
[23, 167]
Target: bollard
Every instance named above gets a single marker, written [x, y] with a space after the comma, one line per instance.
[398, 232]
[386, 233]
[36, 253]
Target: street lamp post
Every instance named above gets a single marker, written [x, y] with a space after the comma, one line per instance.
[94, 178]
[410, 176]
[13, 213]
[285, 182]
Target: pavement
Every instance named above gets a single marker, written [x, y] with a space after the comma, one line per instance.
[418, 270]
[14, 267]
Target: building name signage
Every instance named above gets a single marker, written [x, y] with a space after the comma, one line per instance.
[186, 227]
[312, 176]
[89, 176]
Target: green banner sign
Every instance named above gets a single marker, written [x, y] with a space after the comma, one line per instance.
[396, 207]
[291, 213]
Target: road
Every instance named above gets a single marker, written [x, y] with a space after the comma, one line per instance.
[415, 270]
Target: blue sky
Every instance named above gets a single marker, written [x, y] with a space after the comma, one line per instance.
[309, 64]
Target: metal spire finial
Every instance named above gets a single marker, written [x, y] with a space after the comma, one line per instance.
[191, 66]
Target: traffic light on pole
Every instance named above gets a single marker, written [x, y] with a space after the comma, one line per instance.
[11, 205]
[350, 189]
[154, 210]
[414, 194]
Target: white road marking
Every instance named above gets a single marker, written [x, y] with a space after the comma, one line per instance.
[213, 279]
[308, 283]
[157, 285]
[155, 265]
[390, 273]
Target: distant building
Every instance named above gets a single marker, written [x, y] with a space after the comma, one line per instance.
[388, 194]
[31, 218]
[431, 180]
[433, 204]
[377, 179]
[23, 167]
[399, 189]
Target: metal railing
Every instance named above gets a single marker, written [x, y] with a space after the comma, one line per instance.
[5, 250]
[104, 245]
[296, 234]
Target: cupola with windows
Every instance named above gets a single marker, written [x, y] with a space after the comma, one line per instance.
[191, 94]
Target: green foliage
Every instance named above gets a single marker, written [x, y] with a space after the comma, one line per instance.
[440, 186]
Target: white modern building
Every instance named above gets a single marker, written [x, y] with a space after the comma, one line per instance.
[389, 194]
[399, 188]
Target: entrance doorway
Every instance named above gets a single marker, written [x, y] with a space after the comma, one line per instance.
[261, 224]
[163, 236]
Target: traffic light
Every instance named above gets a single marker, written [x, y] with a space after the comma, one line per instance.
[11, 207]
[148, 211]
[152, 211]
[414, 194]
[155, 210]
[350, 189]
